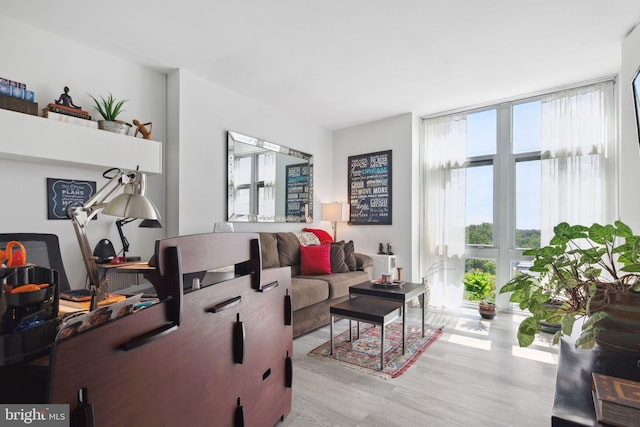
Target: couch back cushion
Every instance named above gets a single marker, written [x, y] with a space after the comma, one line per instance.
[349, 256]
[307, 238]
[323, 236]
[315, 260]
[269, 249]
[338, 264]
[288, 249]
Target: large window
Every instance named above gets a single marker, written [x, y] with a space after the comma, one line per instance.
[520, 168]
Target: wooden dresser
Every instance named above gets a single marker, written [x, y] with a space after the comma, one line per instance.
[217, 356]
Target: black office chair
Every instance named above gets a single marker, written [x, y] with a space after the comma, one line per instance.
[42, 250]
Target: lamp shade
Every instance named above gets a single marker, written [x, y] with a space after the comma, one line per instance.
[132, 203]
[132, 206]
[150, 223]
[336, 211]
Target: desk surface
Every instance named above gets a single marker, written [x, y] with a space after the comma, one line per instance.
[132, 267]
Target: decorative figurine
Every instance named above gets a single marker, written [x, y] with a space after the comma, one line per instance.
[65, 99]
[389, 249]
[380, 249]
[142, 128]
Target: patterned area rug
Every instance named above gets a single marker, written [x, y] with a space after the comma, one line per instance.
[364, 353]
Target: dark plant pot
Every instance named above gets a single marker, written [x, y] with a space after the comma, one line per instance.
[620, 330]
[487, 310]
[551, 327]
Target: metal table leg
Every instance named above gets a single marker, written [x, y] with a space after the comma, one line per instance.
[331, 332]
[423, 308]
[404, 327]
[382, 347]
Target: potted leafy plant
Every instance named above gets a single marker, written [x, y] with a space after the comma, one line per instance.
[109, 109]
[592, 275]
[479, 285]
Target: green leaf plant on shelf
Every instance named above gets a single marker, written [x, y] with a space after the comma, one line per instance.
[587, 273]
[109, 109]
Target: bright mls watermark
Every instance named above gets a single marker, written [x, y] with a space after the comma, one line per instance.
[34, 415]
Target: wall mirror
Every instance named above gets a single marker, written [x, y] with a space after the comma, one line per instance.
[267, 182]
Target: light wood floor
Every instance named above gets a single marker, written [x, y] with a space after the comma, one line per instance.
[473, 375]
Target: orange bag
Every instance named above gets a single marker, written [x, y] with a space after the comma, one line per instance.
[17, 258]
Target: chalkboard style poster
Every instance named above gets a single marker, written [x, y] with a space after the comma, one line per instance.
[298, 195]
[63, 193]
[370, 188]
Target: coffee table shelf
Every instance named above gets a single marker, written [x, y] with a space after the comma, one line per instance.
[370, 310]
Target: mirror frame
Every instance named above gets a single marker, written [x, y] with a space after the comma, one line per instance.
[235, 137]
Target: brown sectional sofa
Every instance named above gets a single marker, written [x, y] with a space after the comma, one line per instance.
[312, 295]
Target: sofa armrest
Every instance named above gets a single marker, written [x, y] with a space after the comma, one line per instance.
[364, 263]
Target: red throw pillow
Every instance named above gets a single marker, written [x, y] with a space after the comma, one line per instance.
[315, 260]
[323, 236]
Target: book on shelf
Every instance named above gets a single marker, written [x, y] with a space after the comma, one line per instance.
[84, 305]
[65, 118]
[17, 92]
[68, 109]
[54, 108]
[12, 83]
[616, 400]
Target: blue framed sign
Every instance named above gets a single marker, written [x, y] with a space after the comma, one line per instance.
[370, 188]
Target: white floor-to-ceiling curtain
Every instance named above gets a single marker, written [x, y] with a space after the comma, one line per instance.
[444, 193]
[577, 129]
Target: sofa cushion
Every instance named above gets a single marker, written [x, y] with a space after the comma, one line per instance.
[306, 238]
[349, 256]
[269, 249]
[322, 235]
[306, 292]
[288, 249]
[315, 260]
[339, 283]
[338, 264]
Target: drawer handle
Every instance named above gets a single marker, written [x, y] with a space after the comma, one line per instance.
[269, 287]
[238, 417]
[224, 305]
[288, 371]
[83, 414]
[147, 337]
[288, 309]
[238, 341]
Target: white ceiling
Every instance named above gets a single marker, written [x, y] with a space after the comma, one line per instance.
[339, 63]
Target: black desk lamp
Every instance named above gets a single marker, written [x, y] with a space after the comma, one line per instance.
[147, 223]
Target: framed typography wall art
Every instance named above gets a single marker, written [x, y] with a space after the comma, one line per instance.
[369, 188]
[65, 193]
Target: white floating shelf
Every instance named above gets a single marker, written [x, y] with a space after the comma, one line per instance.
[39, 140]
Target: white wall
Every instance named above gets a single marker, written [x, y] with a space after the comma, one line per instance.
[629, 169]
[398, 133]
[197, 151]
[47, 63]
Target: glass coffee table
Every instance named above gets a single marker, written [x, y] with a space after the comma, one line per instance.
[402, 294]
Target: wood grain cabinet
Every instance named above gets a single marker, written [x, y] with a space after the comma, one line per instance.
[225, 361]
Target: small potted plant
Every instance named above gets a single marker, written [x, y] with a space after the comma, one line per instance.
[480, 285]
[109, 109]
[592, 274]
